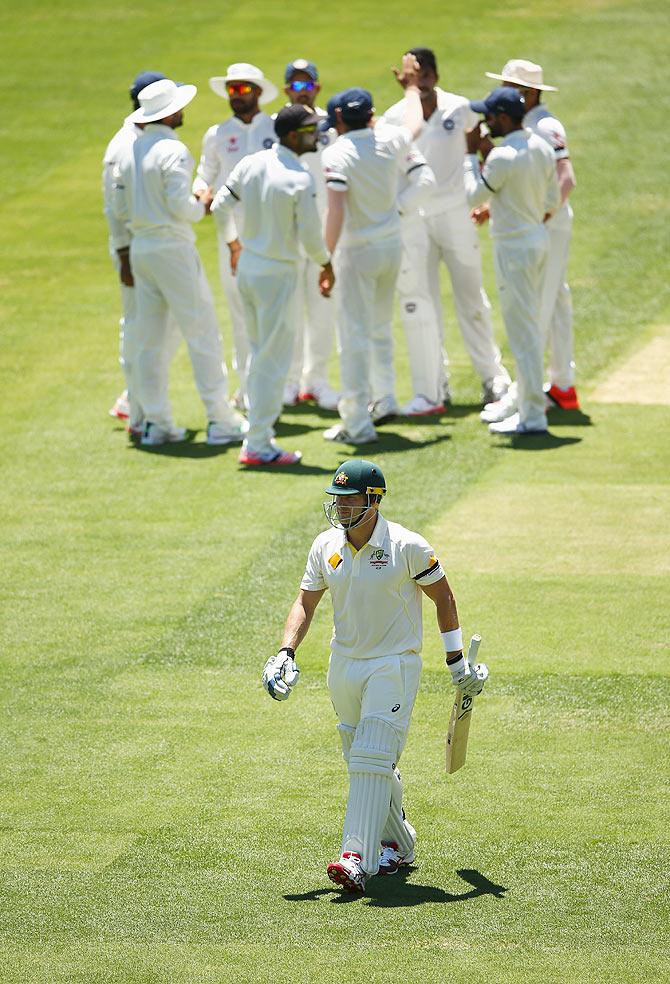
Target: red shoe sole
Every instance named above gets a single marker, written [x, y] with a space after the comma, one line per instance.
[304, 397]
[337, 874]
[429, 413]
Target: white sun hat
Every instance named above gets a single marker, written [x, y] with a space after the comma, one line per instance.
[161, 99]
[244, 72]
[525, 73]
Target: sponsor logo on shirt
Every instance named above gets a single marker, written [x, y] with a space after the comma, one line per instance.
[378, 558]
[396, 707]
[232, 144]
[410, 307]
[448, 124]
[335, 561]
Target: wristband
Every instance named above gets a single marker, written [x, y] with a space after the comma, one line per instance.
[453, 641]
[289, 652]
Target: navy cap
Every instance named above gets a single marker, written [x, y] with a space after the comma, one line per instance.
[504, 99]
[293, 117]
[141, 82]
[301, 65]
[356, 106]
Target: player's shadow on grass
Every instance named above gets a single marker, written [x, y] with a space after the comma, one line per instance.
[397, 892]
[569, 418]
[391, 441]
[535, 442]
[187, 448]
[458, 410]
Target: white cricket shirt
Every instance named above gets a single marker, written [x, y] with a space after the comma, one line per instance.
[153, 187]
[442, 143]
[540, 121]
[519, 182]
[376, 591]
[278, 200]
[225, 144]
[367, 164]
[118, 148]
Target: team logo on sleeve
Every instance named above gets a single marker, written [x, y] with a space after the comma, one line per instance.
[324, 139]
[268, 142]
[448, 124]
[232, 144]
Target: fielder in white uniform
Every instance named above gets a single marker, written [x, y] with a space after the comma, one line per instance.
[376, 572]
[276, 192]
[127, 405]
[519, 178]
[308, 375]
[225, 144]
[442, 230]
[362, 171]
[556, 314]
[153, 192]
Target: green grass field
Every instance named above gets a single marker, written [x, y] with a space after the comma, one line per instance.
[161, 820]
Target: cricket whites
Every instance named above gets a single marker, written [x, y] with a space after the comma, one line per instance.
[459, 722]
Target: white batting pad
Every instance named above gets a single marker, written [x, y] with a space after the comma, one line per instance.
[371, 759]
[347, 734]
[396, 828]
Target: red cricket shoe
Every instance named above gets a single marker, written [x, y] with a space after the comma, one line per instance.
[279, 458]
[348, 873]
[564, 399]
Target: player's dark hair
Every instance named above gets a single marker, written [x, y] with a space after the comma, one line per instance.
[356, 124]
[425, 57]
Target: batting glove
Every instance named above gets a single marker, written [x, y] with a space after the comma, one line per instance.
[473, 682]
[281, 674]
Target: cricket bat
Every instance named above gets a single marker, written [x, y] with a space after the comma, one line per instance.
[459, 722]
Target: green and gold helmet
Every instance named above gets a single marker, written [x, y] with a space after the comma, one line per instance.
[354, 477]
[358, 476]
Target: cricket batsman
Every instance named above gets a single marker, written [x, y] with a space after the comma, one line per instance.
[376, 571]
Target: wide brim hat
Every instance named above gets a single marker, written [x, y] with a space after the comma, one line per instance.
[161, 99]
[244, 72]
[522, 72]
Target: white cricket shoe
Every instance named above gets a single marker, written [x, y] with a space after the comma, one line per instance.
[493, 413]
[384, 410]
[348, 873]
[290, 397]
[322, 394]
[513, 425]
[391, 859]
[228, 432]
[154, 435]
[420, 406]
[341, 435]
[494, 389]
[121, 409]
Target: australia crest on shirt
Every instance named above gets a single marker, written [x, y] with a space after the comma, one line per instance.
[379, 558]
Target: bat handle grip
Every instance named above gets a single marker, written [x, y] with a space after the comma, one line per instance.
[473, 648]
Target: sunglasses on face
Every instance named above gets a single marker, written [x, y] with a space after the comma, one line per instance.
[239, 89]
[307, 129]
[300, 86]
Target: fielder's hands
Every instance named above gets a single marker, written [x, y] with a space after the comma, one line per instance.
[281, 674]
[475, 677]
[480, 215]
[235, 247]
[125, 273]
[326, 279]
[409, 73]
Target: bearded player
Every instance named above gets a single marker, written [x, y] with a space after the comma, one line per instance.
[376, 572]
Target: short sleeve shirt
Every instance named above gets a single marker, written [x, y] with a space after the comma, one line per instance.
[375, 591]
[552, 131]
[442, 143]
[367, 164]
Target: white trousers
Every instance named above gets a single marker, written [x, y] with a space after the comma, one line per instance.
[367, 278]
[362, 688]
[519, 269]
[556, 311]
[236, 310]
[129, 344]
[170, 280]
[315, 329]
[449, 236]
[268, 289]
